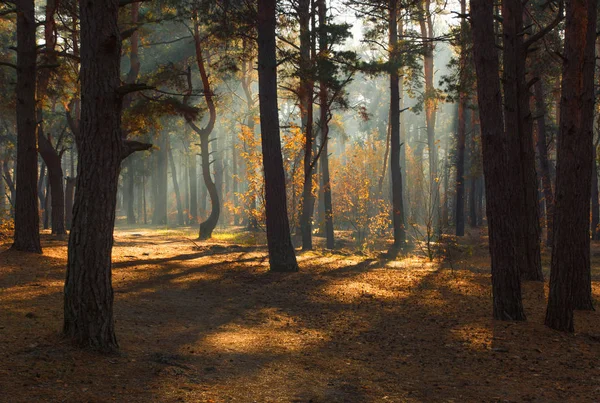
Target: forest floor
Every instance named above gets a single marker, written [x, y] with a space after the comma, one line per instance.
[206, 322]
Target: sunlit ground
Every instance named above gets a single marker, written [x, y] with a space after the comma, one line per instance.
[206, 322]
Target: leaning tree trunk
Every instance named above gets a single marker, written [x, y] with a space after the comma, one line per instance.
[395, 146]
[206, 227]
[193, 188]
[88, 309]
[499, 177]
[570, 282]
[27, 226]
[282, 257]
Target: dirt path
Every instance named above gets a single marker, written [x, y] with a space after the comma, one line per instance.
[210, 324]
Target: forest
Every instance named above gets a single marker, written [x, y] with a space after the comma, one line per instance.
[299, 200]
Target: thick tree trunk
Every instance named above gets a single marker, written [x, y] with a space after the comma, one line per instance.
[27, 226]
[506, 284]
[395, 146]
[570, 282]
[282, 257]
[69, 195]
[518, 125]
[542, 149]
[88, 310]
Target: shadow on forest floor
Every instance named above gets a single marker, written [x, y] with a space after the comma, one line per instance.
[208, 322]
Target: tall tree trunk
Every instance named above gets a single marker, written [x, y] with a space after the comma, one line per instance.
[282, 257]
[542, 148]
[88, 309]
[506, 284]
[180, 218]
[570, 278]
[395, 146]
[518, 126]
[207, 226]
[324, 127]
[461, 130]
[306, 110]
[52, 157]
[27, 225]
[426, 25]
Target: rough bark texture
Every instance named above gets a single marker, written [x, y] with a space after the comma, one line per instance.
[396, 173]
[570, 282]
[506, 284]
[282, 257]
[88, 308]
[26, 236]
[518, 125]
[595, 201]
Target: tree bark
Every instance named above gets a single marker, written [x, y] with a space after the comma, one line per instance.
[395, 146]
[52, 157]
[518, 126]
[282, 257]
[88, 302]
[506, 284]
[324, 127]
[426, 25]
[306, 111]
[27, 227]
[570, 278]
